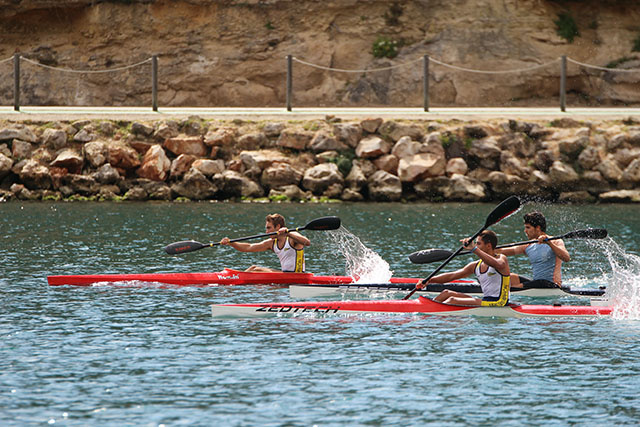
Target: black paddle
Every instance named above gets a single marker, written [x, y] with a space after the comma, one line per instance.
[324, 223]
[427, 256]
[503, 210]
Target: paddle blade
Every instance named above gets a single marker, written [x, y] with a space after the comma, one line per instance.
[324, 223]
[503, 210]
[184, 247]
[427, 256]
[589, 233]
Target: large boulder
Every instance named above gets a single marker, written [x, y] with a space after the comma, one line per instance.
[385, 187]
[348, 133]
[372, 146]
[318, 178]
[5, 165]
[155, 164]
[35, 176]
[322, 141]
[620, 196]
[123, 157]
[222, 137]
[21, 149]
[209, 167]
[181, 165]
[106, 174]
[486, 152]
[70, 160]
[193, 145]
[96, 153]
[394, 131]
[195, 186]
[291, 192]
[406, 147]
[562, 175]
[296, 140]
[421, 166]
[279, 175]
[465, 189]
[235, 184]
[19, 131]
[54, 138]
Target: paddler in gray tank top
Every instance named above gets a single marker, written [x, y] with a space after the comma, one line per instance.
[546, 256]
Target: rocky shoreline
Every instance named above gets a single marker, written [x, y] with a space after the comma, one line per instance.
[321, 160]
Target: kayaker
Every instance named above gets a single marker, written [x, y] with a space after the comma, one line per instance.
[492, 272]
[288, 245]
[546, 256]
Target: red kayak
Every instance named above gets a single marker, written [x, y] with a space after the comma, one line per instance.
[421, 305]
[224, 277]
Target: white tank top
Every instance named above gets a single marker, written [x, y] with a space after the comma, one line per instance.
[491, 281]
[291, 260]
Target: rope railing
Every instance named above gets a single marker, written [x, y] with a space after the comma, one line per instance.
[595, 67]
[17, 58]
[68, 70]
[371, 70]
[517, 70]
[426, 60]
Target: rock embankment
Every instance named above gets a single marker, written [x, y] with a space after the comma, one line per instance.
[365, 160]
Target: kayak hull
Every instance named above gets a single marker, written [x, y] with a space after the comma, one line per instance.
[420, 306]
[225, 277]
[301, 291]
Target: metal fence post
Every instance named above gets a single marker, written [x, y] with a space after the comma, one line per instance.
[563, 83]
[16, 82]
[154, 82]
[289, 81]
[425, 81]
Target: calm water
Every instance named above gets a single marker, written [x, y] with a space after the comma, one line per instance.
[148, 355]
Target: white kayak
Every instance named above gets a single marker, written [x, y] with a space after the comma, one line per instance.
[471, 288]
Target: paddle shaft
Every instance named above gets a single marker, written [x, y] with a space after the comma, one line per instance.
[433, 255]
[325, 223]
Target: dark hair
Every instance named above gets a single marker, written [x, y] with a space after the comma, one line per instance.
[276, 219]
[490, 237]
[536, 219]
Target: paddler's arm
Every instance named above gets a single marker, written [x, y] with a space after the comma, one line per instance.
[499, 262]
[557, 246]
[512, 251]
[265, 245]
[448, 277]
[297, 238]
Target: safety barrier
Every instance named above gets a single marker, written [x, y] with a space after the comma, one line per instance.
[426, 60]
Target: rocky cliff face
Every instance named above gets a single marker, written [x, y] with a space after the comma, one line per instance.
[232, 53]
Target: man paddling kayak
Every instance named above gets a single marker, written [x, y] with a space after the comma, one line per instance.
[287, 245]
[545, 257]
[492, 271]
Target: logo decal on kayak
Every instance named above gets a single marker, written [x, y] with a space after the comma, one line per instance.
[233, 276]
[283, 308]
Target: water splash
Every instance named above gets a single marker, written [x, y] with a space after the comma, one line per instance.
[623, 281]
[361, 263]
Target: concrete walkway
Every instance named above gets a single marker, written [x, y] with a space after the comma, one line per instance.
[261, 114]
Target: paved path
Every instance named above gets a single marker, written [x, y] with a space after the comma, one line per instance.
[146, 113]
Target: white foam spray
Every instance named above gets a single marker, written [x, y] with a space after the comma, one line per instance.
[623, 281]
[361, 263]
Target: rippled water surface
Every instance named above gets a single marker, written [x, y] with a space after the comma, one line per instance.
[143, 354]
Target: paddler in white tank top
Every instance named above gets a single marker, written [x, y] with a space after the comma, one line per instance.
[546, 256]
[492, 272]
[287, 245]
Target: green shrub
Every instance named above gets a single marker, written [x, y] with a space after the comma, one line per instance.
[566, 27]
[384, 47]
